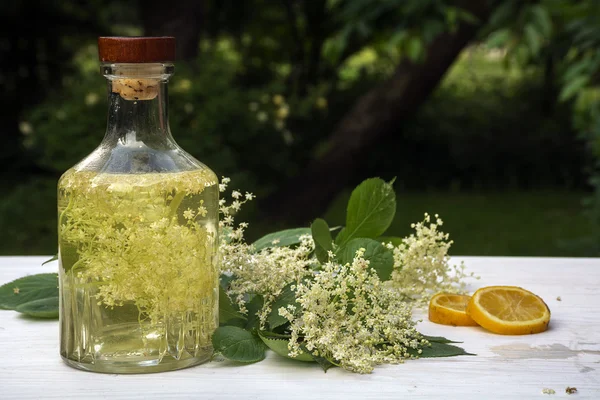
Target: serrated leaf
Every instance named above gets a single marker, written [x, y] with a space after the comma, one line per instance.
[380, 258]
[42, 308]
[370, 211]
[280, 346]
[28, 288]
[287, 297]
[322, 237]
[286, 237]
[238, 344]
[227, 311]
[437, 349]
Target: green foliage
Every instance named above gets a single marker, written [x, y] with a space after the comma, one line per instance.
[280, 347]
[380, 258]
[286, 298]
[42, 308]
[238, 344]
[34, 295]
[286, 237]
[370, 211]
[322, 238]
[227, 311]
[28, 218]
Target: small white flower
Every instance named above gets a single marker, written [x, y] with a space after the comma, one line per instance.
[235, 194]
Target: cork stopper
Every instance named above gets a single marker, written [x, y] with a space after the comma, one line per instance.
[136, 79]
[118, 49]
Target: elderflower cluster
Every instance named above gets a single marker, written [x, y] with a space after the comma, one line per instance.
[143, 239]
[421, 263]
[265, 272]
[347, 315]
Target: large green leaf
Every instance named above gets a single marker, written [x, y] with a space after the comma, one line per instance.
[28, 288]
[238, 344]
[280, 346]
[370, 211]
[286, 237]
[287, 297]
[380, 258]
[322, 237]
[42, 308]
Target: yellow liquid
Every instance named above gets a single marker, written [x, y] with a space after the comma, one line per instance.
[138, 270]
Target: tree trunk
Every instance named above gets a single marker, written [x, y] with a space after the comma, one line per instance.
[376, 114]
[179, 18]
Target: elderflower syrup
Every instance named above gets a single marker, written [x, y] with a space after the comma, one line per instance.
[137, 222]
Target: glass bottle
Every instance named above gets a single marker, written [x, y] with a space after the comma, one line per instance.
[137, 230]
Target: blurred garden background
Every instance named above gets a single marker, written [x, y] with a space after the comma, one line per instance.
[486, 111]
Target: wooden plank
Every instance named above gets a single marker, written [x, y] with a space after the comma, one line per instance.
[506, 367]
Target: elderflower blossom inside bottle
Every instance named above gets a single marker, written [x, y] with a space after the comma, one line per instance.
[137, 230]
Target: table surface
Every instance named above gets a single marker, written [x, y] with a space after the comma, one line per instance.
[506, 367]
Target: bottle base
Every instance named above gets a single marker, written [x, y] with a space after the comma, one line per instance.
[140, 367]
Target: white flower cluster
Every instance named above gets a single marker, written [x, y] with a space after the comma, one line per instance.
[349, 316]
[265, 272]
[421, 263]
[343, 313]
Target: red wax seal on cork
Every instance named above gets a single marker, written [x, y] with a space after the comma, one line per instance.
[116, 49]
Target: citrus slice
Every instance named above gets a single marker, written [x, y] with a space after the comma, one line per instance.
[450, 309]
[509, 310]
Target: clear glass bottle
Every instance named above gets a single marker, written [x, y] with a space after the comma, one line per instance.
[137, 230]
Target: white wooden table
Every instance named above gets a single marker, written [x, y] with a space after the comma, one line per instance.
[506, 367]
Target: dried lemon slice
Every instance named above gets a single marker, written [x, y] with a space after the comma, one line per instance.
[450, 309]
[509, 310]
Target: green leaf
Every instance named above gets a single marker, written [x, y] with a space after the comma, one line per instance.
[54, 258]
[323, 362]
[542, 19]
[441, 350]
[286, 237]
[533, 39]
[370, 211]
[238, 344]
[414, 48]
[29, 288]
[380, 258]
[42, 308]
[498, 38]
[438, 339]
[571, 88]
[227, 310]
[280, 346]
[287, 297]
[323, 241]
[254, 306]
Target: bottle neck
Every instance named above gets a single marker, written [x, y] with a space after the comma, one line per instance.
[138, 105]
